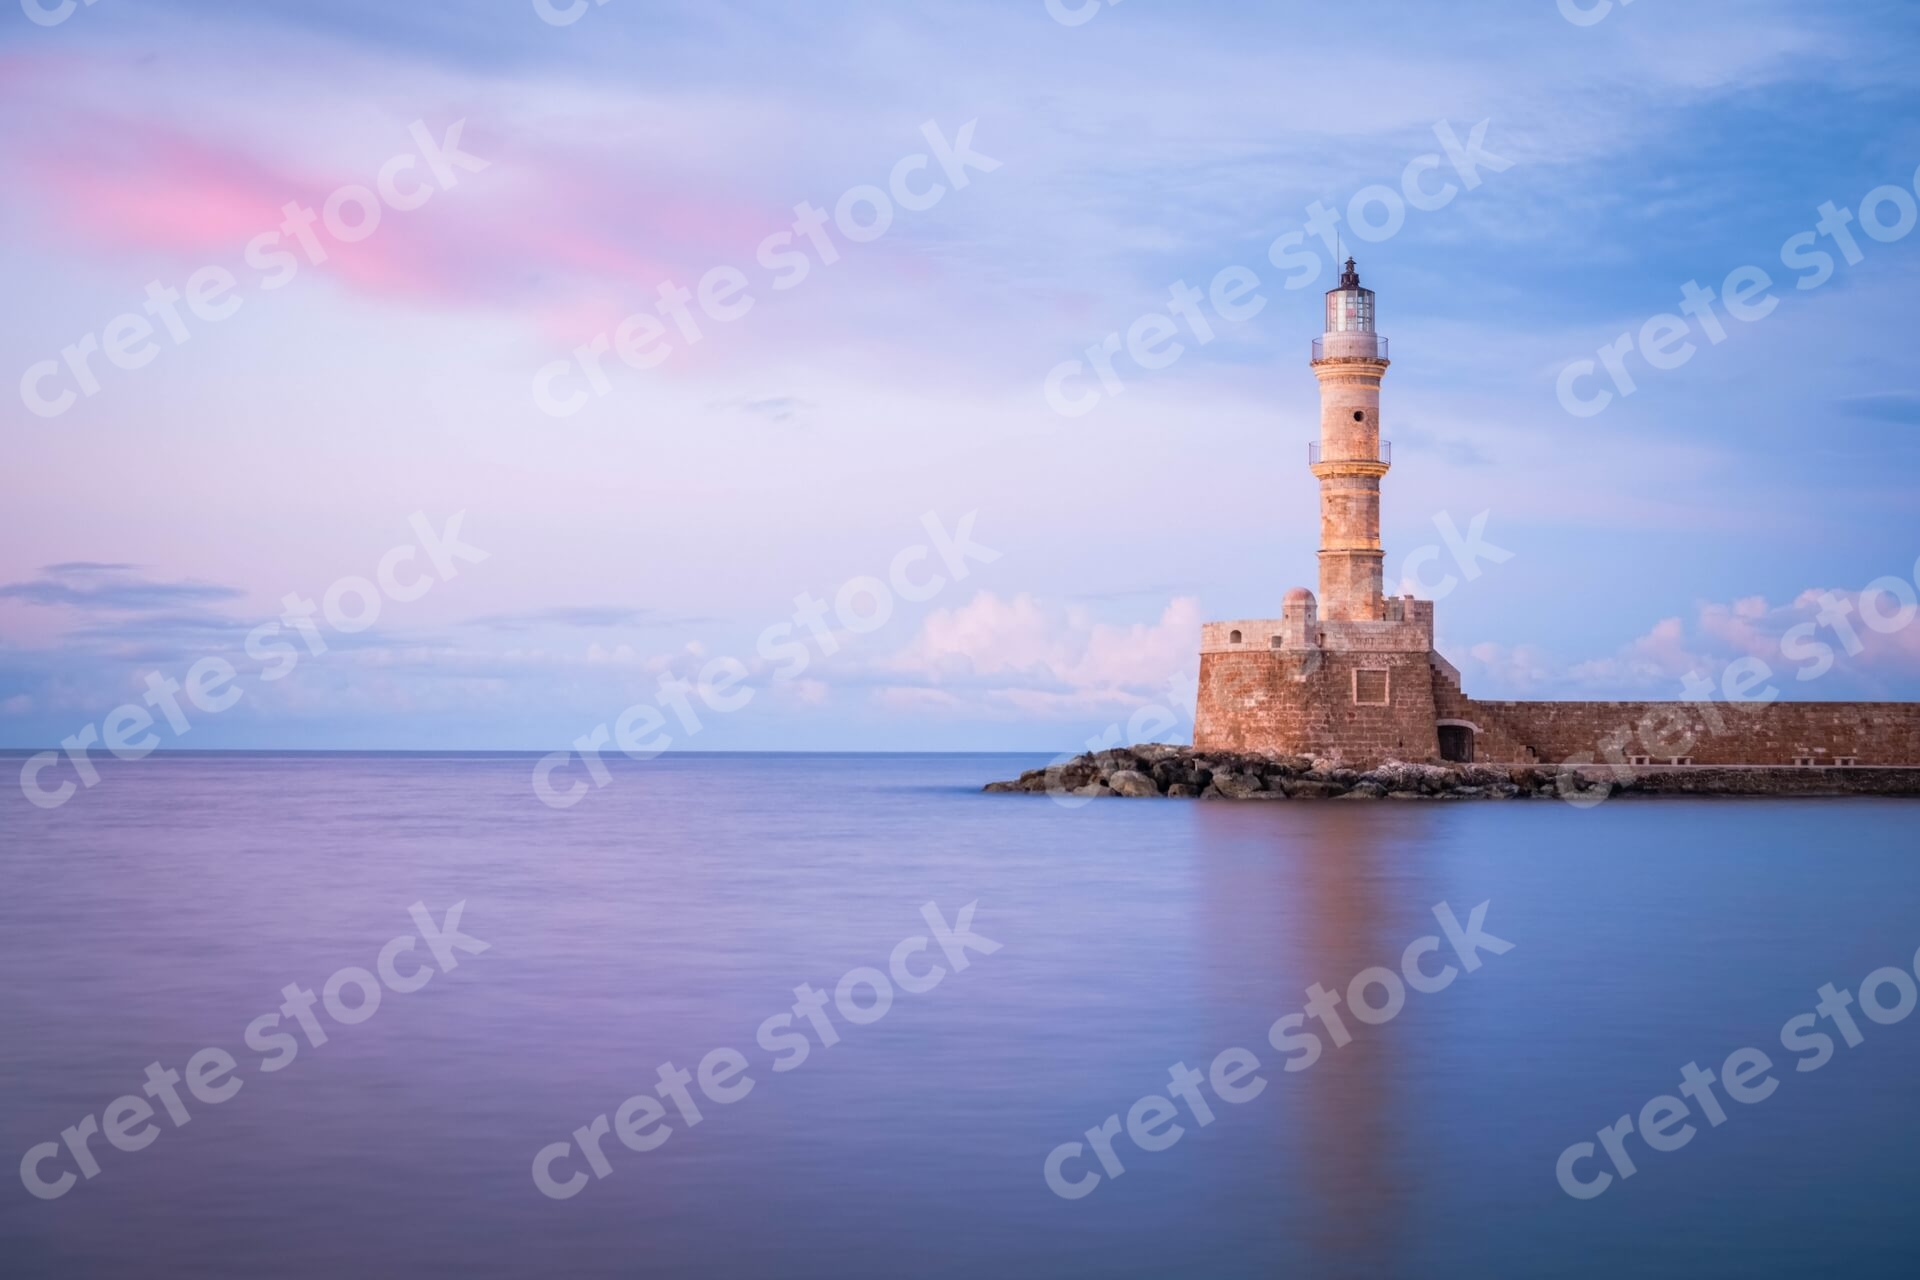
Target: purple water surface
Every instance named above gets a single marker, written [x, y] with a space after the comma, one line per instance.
[671, 912]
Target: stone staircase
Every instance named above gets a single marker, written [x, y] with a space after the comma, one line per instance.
[1497, 740]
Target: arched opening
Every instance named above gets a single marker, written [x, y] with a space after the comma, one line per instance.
[1456, 743]
[1233, 637]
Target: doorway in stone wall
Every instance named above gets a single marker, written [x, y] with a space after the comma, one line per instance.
[1456, 743]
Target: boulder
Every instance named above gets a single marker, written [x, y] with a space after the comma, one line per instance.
[1183, 791]
[1131, 782]
[1310, 789]
[1068, 777]
[1235, 786]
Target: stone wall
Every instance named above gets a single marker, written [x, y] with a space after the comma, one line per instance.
[1711, 733]
[1303, 703]
[1294, 702]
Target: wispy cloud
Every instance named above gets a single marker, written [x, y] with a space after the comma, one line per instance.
[1890, 406]
[584, 616]
[773, 408]
[120, 588]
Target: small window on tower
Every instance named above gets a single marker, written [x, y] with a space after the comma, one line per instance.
[1359, 416]
[1370, 688]
[1233, 637]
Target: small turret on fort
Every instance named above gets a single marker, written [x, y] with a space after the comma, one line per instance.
[1350, 458]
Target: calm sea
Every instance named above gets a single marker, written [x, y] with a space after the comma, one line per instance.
[675, 910]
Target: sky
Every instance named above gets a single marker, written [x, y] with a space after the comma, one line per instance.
[508, 192]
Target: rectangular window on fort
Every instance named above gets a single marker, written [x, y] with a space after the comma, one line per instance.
[1370, 688]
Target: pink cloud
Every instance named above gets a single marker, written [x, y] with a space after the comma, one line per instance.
[1882, 659]
[530, 226]
[994, 656]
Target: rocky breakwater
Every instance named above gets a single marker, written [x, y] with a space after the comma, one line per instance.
[1159, 770]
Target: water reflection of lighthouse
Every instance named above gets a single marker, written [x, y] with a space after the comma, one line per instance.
[1316, 901]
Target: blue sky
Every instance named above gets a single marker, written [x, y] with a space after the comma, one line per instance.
[677, 516]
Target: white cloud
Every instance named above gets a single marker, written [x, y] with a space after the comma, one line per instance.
[1872, 661]
[1029, 657]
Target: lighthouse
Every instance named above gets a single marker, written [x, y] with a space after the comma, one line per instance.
[1352, 673]
[1349, 459]
[1352, 677]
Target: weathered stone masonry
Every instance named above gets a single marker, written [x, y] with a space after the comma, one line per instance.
[1352, 675]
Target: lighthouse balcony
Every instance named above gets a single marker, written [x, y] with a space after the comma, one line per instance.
[1350, 345]
[1383, 458]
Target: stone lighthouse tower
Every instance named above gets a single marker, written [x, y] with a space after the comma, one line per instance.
[1351, 675]
[1349, 460]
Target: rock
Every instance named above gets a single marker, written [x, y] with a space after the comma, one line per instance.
[1183, 791]
[1464, 793]
[1364, 790]
[1092, 789]
[1060, 779]
[1235, 786]
[1310, 789]
[1003, 786]
[1130, 782]
[1588, 787]
[1407, 795]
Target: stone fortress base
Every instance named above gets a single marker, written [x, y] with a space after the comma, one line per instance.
[1361, 693]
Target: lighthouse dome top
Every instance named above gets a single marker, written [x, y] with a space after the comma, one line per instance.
[1349, 307]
